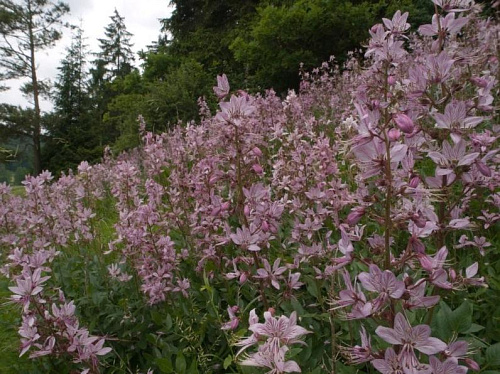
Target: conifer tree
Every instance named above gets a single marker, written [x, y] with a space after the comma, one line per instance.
[116, 49]
[114, 60]
[27, 27]
[70, 136]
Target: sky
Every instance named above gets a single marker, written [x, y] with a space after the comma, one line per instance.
[141, 19]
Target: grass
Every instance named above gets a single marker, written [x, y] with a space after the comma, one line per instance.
[18, 190]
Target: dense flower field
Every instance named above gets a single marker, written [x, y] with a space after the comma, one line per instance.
[352, 227]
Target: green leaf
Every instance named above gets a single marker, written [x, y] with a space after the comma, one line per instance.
[312, 287]
[441, 322]
[165, 365]
[461, 319]
[193, 368]
[474, 328]
[227, 362]
[156, 317]
[493, 355]
[447, 322]
[180, 364]
[168, 323]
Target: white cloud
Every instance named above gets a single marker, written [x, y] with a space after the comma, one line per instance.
[141, 19]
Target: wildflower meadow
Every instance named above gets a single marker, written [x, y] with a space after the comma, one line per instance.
[351, 227]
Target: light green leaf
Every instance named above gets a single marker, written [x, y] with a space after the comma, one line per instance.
[228, 361]
[180, 364]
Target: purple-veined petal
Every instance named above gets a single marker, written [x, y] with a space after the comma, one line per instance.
[389, 335]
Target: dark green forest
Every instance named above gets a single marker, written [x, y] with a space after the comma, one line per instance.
[98, 95]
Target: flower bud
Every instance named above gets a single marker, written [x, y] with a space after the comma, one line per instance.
[453, 274]
[414, 181]
[480, 82]
[391, 80]
[416, 245]
[258, 169]
[225, 205]
[472, 364]
[234, 323]
[246, 210]
[394, 134]
[405, 123]
[355, 215]
[265, 226]
[243, 278]
[426, 262]
[483, 169]
[215, 211]
[419, 220]
[257, 152]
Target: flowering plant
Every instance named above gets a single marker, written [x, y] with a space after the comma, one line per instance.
[359, 216]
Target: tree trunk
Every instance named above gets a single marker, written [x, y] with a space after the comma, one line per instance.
[36, 129]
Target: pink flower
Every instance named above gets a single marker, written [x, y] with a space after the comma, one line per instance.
[410, 338]
[237, 108]
[398, 24]
[275, 332]
[272, 360]
[245, 239]
[233, 320]
[448, 24]
[418, 298]
[450, 366]
[222, 88]
[363, 353]
[384, 283]
[455, 117]
[274, 274]
[279, 331]
[28, 285]
[390, 364]
[350, 296]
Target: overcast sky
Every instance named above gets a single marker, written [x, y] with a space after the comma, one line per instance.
[141, 19]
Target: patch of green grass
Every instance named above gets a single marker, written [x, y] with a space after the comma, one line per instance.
[18, 190]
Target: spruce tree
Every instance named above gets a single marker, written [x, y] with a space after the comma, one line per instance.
[70, 138]
[114, 60]
[116, 49]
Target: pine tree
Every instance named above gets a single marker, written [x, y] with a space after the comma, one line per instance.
[27, 27]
